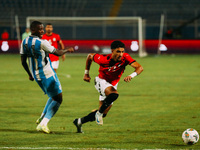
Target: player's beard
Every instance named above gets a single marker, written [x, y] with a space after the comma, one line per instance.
[119, 58]
[49, 32]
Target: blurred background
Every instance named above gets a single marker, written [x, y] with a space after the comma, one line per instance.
[173, 23]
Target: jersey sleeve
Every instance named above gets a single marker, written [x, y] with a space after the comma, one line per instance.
[58, 37]
[98, 58]
[21, 49]
[46, 46]
[129, 59]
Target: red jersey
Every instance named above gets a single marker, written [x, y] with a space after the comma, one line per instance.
[110, 70]
[53, 40]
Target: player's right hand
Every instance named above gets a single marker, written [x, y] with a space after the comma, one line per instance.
[87, 78]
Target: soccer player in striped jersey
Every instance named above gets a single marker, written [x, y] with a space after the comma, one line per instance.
[111, 68]
[40, 69]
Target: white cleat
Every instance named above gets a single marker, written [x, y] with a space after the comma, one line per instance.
[43, 128]
[99, 118]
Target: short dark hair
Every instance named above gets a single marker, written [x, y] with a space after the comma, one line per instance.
[49, 24]
[117, 44]
[34, 24]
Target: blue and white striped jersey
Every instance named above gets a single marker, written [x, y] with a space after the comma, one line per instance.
[37, 51]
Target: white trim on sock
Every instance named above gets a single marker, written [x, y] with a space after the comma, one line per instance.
[44, 121]
[79, 121]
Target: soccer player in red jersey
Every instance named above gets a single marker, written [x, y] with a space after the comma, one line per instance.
[55, 40]
[111, 68]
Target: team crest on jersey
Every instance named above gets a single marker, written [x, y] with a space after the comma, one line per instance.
[54, 39]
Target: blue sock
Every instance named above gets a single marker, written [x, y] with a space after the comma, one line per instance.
[46, 106]
[52, 109]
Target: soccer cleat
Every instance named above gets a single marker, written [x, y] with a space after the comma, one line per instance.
[43, 128]
[77, 123]
[39, 120]
[99, 118]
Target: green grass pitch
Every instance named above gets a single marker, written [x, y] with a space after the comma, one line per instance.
[151, 112]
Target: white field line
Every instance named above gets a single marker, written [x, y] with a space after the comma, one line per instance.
[65, 75]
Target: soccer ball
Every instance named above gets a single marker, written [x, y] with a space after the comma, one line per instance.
[190, 136]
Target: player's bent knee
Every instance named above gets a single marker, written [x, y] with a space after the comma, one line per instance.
[112, 97]
[60, 101]
[58, 98]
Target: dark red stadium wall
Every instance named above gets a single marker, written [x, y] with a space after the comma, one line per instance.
[174, 46]
[86, 46]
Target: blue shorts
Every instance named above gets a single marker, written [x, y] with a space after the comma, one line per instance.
[51, 86]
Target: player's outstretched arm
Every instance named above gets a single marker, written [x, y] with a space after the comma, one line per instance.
[25, 65]
[62, 47]
[87, 67]
[63, 51]
[138, 70]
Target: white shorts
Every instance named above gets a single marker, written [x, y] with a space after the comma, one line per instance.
[101, 85]
[55, 64]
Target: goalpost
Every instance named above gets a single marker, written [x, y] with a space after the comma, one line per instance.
[102, 22]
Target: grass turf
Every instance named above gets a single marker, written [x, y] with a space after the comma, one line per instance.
[151, 112]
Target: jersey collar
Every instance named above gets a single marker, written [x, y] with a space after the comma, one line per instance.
[34, 36]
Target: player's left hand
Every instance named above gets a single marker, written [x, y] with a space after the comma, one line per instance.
[127, 79]
[63, 57]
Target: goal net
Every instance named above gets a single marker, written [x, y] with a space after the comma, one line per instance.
[101, 28]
